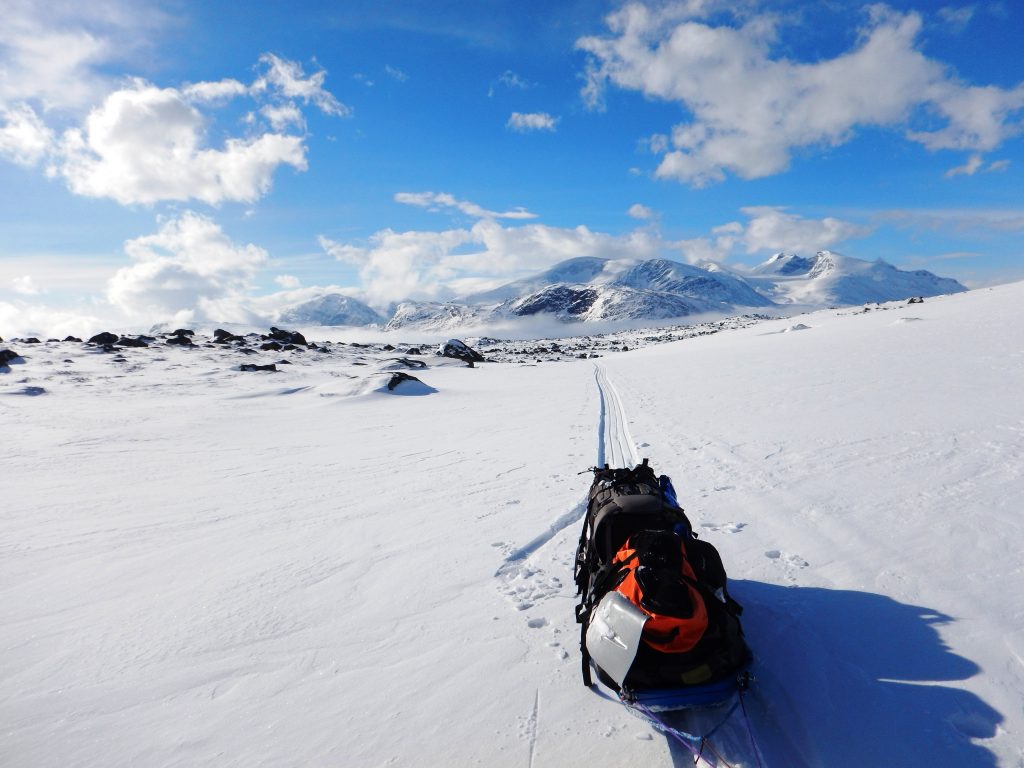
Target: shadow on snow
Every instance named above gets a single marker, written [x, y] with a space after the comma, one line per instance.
[848, 678]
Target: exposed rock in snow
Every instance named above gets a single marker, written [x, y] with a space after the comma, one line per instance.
[459, 350]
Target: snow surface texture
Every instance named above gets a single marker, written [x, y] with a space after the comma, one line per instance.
[209, 567]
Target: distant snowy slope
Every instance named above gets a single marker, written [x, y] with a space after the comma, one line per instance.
[833, 279]
[706, 286]
[331, 309]
[435, 316]
[591, 289]
[578, 271]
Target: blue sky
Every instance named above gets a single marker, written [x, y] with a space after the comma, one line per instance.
[186, 161]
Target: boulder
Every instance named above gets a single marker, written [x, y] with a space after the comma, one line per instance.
[403, 384]
[31, 340]
[181, 341]
[253, 367]
[287, 337]
[104, 338]
[398, 378]
[8, 356]
[271, 346]
[184, 332]
[220, 336]
[72, 338]
[460, 351]
[127, 341]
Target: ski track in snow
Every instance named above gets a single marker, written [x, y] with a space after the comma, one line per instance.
[615, 445]
[522, 577]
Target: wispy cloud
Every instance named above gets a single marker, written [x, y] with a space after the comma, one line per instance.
[971, 167]
[288, 282]
[984, 220]
[509, 79]
[25, 286]
[288, 80]
[24, 138]
[956, 19]
[436, 201]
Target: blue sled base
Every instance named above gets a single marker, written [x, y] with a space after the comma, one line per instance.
[668, 699]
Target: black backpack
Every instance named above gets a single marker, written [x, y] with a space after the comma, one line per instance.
[637, 540]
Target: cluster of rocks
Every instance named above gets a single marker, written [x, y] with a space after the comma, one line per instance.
[497, 350]
[600, 344]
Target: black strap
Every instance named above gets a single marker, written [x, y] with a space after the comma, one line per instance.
[585, 654]
[731, 605]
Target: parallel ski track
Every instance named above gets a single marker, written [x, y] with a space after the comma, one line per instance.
[615, 445]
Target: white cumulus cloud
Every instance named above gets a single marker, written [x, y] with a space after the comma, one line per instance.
[429, 265]
[128, 139]
[750, 106]
[144, 144]
[189, 270]
[771, 229]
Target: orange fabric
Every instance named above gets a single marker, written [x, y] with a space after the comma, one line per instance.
[667, 634]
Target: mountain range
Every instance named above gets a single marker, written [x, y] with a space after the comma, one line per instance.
[587, 288]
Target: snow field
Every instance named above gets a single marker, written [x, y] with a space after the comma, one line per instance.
[208, 567]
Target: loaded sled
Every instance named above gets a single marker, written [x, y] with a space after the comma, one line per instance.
[658, 625]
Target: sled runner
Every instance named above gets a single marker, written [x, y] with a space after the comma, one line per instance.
[657, 623]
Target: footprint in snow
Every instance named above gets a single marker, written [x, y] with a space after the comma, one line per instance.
[786, 558]
[729, 527]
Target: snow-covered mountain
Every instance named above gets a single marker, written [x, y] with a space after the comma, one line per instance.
[831, 279]
[590, 289]
[332, 309]
[435, 316]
